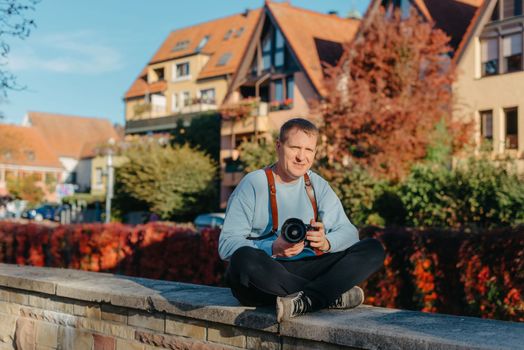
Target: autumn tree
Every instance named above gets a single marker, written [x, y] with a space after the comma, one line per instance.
[26, 188]
[388, 94]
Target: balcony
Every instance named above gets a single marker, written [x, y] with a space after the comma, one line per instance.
[251, 116]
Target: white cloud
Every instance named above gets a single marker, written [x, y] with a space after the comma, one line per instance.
[76, 52]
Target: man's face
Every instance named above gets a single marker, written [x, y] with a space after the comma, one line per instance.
[296, 154]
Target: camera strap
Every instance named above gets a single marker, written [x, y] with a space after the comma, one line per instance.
[273, 201]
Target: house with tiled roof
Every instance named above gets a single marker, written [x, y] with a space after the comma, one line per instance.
[189, 74]
[282, 75]
[487, 40]
[74, 140]
[24, 152]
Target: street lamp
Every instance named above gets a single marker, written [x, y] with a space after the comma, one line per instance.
[110, 179]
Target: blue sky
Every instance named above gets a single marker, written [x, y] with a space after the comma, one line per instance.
[84, 55]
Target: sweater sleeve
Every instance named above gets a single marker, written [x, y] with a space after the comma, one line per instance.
[340, 232]
[238, 221]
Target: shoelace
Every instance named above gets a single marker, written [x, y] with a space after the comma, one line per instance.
[337, 303]
[301, 304]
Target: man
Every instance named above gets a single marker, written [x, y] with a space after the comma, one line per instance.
[322, 271]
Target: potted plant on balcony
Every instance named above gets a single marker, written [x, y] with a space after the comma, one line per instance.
[274, 106]
[287, 104]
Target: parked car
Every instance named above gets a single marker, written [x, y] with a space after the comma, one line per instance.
[43, 212]
[210, 220]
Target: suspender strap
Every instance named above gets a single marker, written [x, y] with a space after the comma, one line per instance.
[272, 198]
[311, 194]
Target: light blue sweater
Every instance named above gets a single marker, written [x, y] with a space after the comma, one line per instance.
[249, 213]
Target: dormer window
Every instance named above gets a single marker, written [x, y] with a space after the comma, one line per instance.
[30, 155]
[202, 43]
[181, 45]
[8, 155]
[224, 59]
[228, 34]
[239, 32]
[158, 74]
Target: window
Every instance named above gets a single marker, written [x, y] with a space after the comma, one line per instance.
[228, 34]
[279, 48]
[290, 87]
[511, 8]
[182, 71]
[490, 50]
[202, 43]
[30, 155]
[158, 74]
[98, 175]
[158, 103]
[207, 96]
[239, 32]
[266, 52]
[185, 99]
[181, 45]
[8, 154]
[279, 90]
[512, 133]
[495, 13]
[486, 128]
[224, 59]
[512, 51]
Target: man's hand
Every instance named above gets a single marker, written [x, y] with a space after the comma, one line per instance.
[284, 249]
[318, 238]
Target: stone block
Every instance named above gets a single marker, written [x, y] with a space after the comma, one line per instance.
[103, 342]
[114, 314]
[154, 322]
[93, 311]
[106, 328]
[19, 298]
[46, 334]
[163, 341]
[7, 328]
[59, 305]
[128, 345]
[185, 327]
[226, 335]
[262, 340]
[9, 308]
[38, 300]
[48, 316]
[71, 338]
[4, 295]
[301, 344]
[25, 334]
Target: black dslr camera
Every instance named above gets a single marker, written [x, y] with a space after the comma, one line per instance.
[294, 230]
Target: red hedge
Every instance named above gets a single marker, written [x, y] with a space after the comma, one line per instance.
[476, 274]
[157, 250]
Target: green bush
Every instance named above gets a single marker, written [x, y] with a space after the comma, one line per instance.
[171, 182]
[476, 193]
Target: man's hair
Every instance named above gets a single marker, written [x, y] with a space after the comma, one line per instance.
[300, 124]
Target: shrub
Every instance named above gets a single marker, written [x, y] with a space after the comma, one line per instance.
[171, 182]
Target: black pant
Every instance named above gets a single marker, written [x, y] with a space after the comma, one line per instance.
[256, 279]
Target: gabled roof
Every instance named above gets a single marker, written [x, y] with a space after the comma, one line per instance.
[215, 47]
[26, 146]
[454, 17]
[304, 29]
[67, 135]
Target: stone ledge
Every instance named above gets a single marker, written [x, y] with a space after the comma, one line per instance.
[365, 327]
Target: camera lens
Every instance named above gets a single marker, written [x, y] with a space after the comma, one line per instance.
[294, 230]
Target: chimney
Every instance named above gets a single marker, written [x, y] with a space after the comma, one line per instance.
[333, 13]
[246, 12]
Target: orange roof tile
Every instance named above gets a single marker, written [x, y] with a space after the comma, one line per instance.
[26, 146]
[215, 47]
[301, 27]
[67, 135]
